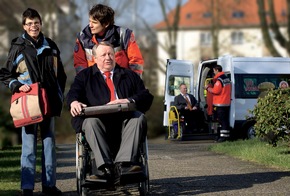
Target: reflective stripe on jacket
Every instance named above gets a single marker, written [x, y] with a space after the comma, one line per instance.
[127, 51]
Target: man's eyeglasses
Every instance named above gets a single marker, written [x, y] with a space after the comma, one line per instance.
[33, 23]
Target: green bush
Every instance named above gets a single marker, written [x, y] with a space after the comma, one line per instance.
[272, 116]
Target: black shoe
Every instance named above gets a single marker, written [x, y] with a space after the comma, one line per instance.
[131, 169]
[51, 190]
[105, 174]
[220, 140]
[97, 178]
[216, 138]
[27, 192]
[129, 173]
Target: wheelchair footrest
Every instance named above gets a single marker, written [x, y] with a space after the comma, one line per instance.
[97, 179]
[130, 178]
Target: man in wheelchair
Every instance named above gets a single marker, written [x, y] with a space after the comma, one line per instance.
[187, 106]
[114, 138]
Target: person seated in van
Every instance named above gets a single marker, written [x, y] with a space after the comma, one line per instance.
[114, 138]
[283, 84]
[187, 105]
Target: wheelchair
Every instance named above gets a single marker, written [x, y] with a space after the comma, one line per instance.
[176, 124]
[85, 163]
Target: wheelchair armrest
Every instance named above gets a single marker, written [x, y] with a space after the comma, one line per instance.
[106, 109]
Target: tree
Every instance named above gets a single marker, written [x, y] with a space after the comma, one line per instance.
[172, 27]
[215, 9]
[272, 24]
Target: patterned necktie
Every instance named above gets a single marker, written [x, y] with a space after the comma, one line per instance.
[110, 85]
[188, 102]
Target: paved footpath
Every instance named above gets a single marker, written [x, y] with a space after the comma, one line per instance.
[186, 168]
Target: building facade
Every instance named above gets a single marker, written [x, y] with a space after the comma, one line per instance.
[235, 22]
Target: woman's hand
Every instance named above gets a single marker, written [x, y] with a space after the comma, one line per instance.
[25, 88]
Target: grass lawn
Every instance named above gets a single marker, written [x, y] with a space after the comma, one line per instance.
[257, 151]
[10, 170]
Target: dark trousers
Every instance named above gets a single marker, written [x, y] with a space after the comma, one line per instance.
[191, 118]
[223, 116]
[115, 137]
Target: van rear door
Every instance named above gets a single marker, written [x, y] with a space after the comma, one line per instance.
[205, 74]
[177, 72]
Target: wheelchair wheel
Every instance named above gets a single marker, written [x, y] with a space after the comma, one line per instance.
[144, 186]
[173, 134]
[80, 166]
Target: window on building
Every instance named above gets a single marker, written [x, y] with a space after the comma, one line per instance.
[238, 14]
[283, 13]
[207, 15]
[272, 34]
[188, 16]
[205, 38]
[237, 37]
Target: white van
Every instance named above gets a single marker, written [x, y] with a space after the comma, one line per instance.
[245, 73]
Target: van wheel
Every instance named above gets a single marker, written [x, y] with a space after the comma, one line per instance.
[249, 130]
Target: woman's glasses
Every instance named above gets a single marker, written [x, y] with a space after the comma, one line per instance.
[33, 23]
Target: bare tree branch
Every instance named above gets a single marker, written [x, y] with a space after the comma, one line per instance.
[264, 27]
[274, 25]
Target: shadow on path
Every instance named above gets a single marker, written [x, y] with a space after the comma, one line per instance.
[212, 184]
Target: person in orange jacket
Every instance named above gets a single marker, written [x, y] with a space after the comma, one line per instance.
[221, 92]
[101, 28]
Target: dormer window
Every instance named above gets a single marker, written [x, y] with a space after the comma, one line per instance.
[238, 14]
[207, 15]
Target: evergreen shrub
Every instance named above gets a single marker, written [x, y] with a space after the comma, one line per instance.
[272, 116]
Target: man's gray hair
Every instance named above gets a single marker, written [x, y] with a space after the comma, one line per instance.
[103, 43]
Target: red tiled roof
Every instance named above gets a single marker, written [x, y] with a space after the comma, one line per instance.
[193, 13]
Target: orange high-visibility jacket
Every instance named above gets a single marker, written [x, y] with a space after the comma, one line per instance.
[127, 51]
[221, 90]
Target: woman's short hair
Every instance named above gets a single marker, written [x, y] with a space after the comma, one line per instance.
[30, 13]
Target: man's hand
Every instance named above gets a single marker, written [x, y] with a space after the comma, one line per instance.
[193, 108]
[76, 108]
[118, 101]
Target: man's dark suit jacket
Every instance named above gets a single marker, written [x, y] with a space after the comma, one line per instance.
[180, 102]
[90, 88]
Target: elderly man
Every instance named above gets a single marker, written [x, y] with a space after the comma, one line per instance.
[114, 138]
[188, 107]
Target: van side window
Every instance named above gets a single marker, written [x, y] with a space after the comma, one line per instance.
[175, 81]
[246, 85]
